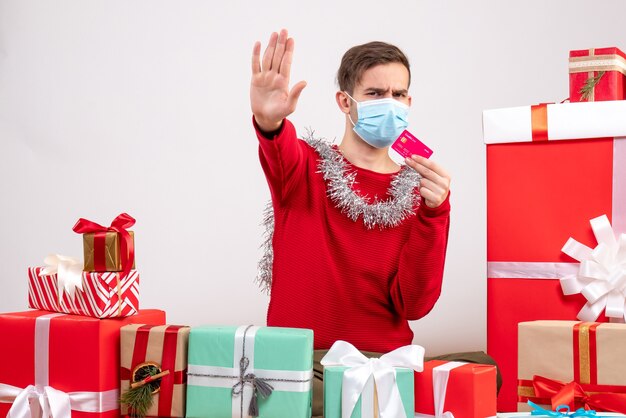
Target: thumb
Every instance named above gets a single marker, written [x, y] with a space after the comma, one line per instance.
[294, 94]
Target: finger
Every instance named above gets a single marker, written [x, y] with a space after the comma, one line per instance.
[280, 50]
[432, 199]
[256, 55]
[269, 52]
[285, 64]
[432, 186]
[294, 94]
[427, 172]
[431, 165]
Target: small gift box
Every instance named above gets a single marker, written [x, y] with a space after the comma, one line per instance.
[249, 371]
[108, 248]
[597, 74]
[464, 390]
[100, 295]
[578, 364]
[535, 202]
[358, 387]
[64, 365]
[154, 356]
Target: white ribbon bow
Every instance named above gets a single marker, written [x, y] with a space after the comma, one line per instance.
[361, 369]
[69, 271]
[43, 402]
[601, 276]
[48, 402]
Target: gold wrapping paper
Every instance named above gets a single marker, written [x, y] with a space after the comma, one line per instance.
[154, 354]
[112, 251]
[546, 348]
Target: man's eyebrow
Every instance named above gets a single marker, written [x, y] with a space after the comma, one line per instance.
[379, 90]
[376, 90]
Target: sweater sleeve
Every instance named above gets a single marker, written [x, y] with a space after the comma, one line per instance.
[282, 157]
[417, 284]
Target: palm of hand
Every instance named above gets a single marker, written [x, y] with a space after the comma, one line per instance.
[270, 98]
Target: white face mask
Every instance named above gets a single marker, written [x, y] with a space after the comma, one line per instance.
[380, 121]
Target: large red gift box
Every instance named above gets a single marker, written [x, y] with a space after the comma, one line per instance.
[103, 295]
[604, 68]
[53, 356]
[465, 390]
[550, 169]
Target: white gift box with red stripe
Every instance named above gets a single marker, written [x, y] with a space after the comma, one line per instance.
[99, 295]
[563, 121]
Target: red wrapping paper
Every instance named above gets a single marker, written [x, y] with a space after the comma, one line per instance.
[538, 195]
[471, 390]
[83, 352]
[103, 295]
[611, 86]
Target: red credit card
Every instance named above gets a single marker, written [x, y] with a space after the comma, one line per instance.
[407, 144]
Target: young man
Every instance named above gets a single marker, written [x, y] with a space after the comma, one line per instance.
[358, 242]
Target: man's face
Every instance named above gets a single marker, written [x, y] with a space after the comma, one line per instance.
[384, 81]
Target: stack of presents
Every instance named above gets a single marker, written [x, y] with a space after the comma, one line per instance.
[555, 184]
[556, 244]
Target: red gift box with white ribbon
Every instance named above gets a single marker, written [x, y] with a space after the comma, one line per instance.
[53, 364]
[550, 170]
[455, 389]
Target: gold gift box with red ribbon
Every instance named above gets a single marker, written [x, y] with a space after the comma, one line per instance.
[164, 350]
[109, 248]
[102, 251]
[597, 74]
[579, 364]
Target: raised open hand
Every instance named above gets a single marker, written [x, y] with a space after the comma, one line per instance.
[270, 97]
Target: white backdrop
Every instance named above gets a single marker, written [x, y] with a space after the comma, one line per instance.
[142, 106]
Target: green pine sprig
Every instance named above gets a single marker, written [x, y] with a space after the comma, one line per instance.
[586, 90]
[140, 399]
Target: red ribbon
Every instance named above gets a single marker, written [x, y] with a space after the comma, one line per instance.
[573, 395]
[168, 362]
[119, 225]
[180, 376]
[539, 122]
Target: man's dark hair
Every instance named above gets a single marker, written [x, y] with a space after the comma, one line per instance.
[361, 58]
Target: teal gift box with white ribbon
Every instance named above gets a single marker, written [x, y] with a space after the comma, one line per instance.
[359, 387]
[239, 372]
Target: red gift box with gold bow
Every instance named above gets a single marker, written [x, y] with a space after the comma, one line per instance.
[579, 364]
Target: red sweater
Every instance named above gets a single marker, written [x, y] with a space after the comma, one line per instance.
[332, 274]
